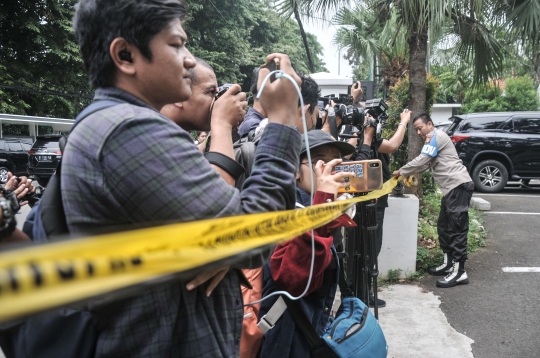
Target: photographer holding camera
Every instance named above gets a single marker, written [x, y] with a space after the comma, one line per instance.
[363, 125]
[289, 265]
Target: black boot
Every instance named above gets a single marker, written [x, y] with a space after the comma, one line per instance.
[443, 269]
[458, 276]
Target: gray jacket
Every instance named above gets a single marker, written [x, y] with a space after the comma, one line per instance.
[439, 154]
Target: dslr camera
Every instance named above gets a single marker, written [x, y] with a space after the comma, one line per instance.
[222, 89]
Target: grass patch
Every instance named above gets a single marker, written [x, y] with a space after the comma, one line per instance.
[428, 252]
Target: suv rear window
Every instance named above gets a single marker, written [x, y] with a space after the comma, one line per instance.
[50, 143]
[480, 123]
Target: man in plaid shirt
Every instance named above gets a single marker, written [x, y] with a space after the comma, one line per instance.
[128, 164]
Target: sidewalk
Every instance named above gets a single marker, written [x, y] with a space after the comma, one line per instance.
[414, 325]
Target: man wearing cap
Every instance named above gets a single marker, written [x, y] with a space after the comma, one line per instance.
[289, 266]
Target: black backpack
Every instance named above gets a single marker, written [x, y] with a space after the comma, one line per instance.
[47, 218]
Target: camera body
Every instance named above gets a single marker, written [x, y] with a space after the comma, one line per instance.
[350, 115]
[222, 89]
[377, 109]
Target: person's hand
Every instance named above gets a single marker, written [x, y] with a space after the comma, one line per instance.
[215, 275]
[396, 174]
[25, 187]
[230, 108]
[405, 116]
[11, 183]
[279, 99]
[328, 182]
[356, 93]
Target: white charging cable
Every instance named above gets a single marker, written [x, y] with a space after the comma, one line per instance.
[281, 74]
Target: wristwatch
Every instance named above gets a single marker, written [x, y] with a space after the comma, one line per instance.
[8, 218]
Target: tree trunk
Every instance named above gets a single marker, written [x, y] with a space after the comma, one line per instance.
[417, 93]
[304, 38]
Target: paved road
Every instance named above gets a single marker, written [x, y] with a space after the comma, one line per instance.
[500, 311]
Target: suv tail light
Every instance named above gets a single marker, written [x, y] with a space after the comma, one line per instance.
[58, 152]
[31, 152]
[459, 138]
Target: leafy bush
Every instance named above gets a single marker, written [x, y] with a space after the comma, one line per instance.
[428, 184]
[400, 100]
[519, 95]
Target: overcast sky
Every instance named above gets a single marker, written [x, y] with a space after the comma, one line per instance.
[325, 34]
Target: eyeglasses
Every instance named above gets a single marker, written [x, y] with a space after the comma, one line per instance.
[315, 163]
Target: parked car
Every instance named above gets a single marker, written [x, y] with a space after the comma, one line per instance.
[13, 158]
[496, 147]
[43, 158]
[443, 126]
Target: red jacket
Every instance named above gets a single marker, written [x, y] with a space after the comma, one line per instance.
[291, 260]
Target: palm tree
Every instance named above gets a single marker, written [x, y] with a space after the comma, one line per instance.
[366, 41]
[307, 9]
[420, 20]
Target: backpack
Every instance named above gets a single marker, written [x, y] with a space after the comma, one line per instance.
[65, 332]
[252, 336]
[47, 218]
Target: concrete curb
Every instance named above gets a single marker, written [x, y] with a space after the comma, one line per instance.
[480, 204]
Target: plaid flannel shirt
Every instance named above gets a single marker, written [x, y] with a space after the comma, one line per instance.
[127, 165]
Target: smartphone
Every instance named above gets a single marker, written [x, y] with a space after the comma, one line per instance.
[367, 176]
[272, 66]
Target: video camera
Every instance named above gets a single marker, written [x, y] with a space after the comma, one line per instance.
[376, 108]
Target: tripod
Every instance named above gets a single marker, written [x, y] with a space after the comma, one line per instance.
[361, 253]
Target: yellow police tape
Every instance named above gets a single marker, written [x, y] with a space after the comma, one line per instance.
[40, 277]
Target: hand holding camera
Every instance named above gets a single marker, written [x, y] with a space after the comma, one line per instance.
[405, 116]
[279, 98]
[229, 106]
[328, 180]
[356, 91]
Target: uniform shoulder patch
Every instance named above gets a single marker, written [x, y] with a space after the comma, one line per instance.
[430, 147]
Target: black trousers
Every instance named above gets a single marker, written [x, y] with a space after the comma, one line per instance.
[453, 223]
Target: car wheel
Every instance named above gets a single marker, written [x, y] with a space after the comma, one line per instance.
[3, 174]
[490, 176]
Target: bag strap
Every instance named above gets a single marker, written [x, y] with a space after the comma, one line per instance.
[52, 214]
[318, 346]
[91, 109]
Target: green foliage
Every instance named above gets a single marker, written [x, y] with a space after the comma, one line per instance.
[519, 95]
[428, 184]
[393, 276]
[399, 100]
[41, 72]
[428, 252]
[234, 36]
[40, 69]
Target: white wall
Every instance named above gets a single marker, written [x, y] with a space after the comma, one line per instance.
[332, 89]
[441, 112]
[439, 115]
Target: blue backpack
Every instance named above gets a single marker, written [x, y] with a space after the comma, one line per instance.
[354, 333]
[47, 218]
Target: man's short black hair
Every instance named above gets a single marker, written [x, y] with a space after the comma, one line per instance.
[193, 70]
[424, 117]
[310, 92]
[254, 80]
[98, 22]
